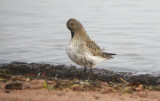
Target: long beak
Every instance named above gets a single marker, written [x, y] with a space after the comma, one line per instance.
[72, 34]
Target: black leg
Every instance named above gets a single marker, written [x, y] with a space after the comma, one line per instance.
[91, 70]
[85, 69]
[90, 74]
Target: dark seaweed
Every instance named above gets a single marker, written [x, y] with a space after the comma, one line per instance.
[71, 72]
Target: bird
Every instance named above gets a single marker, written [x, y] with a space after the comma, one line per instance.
[81, 49]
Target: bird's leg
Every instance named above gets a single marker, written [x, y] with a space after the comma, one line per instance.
[90, 73]
[85, 69]
[91, 70]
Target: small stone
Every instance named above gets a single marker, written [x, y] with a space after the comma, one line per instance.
[38, 81]
[96, 97]
[7, 91]
[28, 79]
[60, 94]
[14, 86]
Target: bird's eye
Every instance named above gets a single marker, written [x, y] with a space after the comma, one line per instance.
[71, 24]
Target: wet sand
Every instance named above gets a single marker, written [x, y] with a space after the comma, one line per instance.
[35, 90]
[52, 95]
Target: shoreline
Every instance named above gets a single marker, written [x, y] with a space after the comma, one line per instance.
[71, 72]
[21, 81]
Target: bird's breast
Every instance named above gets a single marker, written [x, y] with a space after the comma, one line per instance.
[75, 52]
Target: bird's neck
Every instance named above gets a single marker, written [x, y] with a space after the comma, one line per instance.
[80, 35]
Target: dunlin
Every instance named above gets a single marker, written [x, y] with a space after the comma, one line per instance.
[81, 49]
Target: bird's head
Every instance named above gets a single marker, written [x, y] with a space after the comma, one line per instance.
[74, 26]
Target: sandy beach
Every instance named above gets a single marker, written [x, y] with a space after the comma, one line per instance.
[42, 94]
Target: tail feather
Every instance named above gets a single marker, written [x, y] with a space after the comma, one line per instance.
[109, 55]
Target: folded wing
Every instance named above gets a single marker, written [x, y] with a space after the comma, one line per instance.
[96, 51]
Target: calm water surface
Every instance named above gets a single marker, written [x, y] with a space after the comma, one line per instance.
[35, 31]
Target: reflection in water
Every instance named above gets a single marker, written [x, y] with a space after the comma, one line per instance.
[35, 31]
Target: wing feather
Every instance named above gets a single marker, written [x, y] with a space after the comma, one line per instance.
[96, 50]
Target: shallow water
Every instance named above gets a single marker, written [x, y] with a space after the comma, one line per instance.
[35, 31]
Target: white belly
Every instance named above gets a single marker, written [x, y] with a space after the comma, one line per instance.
[81, 56]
